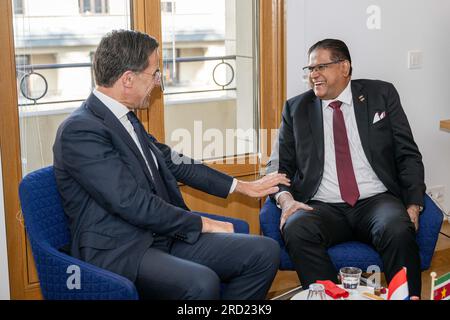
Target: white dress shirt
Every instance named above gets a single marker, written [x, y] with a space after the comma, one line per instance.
[368, 182]
[120, 111]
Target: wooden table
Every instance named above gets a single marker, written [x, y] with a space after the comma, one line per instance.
[445, 125]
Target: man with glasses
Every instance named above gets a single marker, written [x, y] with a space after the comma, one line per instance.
[119, 190]
[356, 171]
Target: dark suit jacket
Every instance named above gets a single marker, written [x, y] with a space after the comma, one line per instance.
[108, 194]
[388, 144]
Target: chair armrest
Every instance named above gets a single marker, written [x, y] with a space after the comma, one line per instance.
[269, 219]
[95, 283]
[430, 223]
[240, 226]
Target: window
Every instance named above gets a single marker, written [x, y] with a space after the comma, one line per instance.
[18, 7]
[211, 105]
[167, 6]
[93, 6]
[53, 63]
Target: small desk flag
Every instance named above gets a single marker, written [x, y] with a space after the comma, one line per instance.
[398, 288]
[440, 287]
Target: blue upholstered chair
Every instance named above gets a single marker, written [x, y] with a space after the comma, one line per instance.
[47, 229]
[355, 253]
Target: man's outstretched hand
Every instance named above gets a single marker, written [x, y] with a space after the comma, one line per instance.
[262, 187]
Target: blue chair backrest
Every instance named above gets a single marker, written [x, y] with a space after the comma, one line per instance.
[48, 231]
[43, 213]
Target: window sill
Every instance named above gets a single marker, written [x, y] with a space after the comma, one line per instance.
[48, 109]
[202, 97]
[171, 100]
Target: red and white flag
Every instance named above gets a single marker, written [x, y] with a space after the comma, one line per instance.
[398, 288]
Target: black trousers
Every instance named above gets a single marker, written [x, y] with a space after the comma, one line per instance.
[381, 221]
[217, 266]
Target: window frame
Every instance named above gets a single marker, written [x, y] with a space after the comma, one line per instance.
[272, 84]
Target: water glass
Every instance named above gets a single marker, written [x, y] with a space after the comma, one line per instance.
[316, 292]
[350, 277]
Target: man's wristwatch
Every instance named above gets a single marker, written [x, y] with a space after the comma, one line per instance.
[278, 205]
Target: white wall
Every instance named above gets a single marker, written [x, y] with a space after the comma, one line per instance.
[382, 54]
[4, 275]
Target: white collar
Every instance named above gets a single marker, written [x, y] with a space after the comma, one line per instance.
[345, 97]
[118, 109]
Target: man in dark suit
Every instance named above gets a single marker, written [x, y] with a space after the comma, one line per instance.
[119, 190]
[356, 171]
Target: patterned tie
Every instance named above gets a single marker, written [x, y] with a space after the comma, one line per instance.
[344, 166]
[142, 135]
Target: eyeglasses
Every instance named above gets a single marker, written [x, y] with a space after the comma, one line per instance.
[157, 78]
[319, 67]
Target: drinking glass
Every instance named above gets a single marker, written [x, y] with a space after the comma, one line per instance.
[350, 277]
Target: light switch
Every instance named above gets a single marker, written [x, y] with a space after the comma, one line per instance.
[415, 59]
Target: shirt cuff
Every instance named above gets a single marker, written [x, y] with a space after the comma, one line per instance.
[277, 196]
[233, 185]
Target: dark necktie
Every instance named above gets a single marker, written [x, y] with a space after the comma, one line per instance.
[142, 135]
[344, 166]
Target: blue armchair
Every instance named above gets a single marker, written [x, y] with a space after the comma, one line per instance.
[355, 253]
[48, 231]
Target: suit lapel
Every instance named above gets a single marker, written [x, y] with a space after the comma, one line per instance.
[110, 120]
[165, 173]
[162, 168]
[316, 123]
[167, 176]
[362, 117]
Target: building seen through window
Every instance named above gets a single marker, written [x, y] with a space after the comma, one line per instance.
[18, 7]
[93, 6]
[168, 6]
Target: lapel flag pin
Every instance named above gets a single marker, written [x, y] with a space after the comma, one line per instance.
[361, 98]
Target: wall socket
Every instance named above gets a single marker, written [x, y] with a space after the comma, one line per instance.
[437, 193]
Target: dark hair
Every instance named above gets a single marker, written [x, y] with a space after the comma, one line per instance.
[337, 48]
[120, 51]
